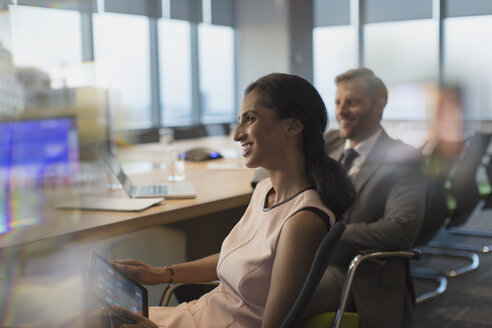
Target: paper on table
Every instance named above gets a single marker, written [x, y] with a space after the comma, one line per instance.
[110, 204]
[226, 166]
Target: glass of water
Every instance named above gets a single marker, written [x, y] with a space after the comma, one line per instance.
[166, 136]
[175, 164]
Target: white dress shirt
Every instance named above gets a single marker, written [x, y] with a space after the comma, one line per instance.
[363, 148]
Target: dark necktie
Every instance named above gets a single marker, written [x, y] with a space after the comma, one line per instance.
[348, 158]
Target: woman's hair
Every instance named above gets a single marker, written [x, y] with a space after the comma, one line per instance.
[291, 96]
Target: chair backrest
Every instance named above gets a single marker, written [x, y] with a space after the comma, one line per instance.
[436, 172]
[188, 132]
[318, 267]
[138, 136]
[488, 170]
[216, 129]
[463, 184]
[436, 210]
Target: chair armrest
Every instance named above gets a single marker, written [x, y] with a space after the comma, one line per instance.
[357, 261]
[369, 254]
[166, 296]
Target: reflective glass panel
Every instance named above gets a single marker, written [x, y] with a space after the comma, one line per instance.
[334, 52]
[216, 62]
[5, 32]
[405, 56]
[175, 72]
[121, 51]
[468, 49]
[39, 42]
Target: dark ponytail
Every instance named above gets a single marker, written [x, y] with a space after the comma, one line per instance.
[334, 186]
[291, 96]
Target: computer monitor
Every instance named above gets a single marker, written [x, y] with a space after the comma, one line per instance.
[37, 150]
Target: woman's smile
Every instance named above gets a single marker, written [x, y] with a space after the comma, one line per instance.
[247, 147]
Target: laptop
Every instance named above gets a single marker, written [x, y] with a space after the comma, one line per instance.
[168, 190]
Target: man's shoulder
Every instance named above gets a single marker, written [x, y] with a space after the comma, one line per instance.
[333, 139]
[398, 151]
[333, 135]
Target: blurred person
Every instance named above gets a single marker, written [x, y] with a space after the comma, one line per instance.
[446, 132]
[388, 210]
[445, 138]
[265, 259]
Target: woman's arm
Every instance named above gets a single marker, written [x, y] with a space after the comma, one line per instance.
[299, 240]
[204, 269]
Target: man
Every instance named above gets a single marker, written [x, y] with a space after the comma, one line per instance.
[388, 211]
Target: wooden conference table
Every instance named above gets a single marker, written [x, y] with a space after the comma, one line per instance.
[44, 250]
[220, 188]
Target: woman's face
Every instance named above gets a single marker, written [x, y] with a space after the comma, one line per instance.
[260, 132]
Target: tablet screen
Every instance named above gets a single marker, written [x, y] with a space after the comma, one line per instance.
[114, 288]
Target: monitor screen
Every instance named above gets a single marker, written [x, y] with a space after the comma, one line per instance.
[38, 149]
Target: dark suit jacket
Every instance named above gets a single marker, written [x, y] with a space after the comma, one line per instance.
[387, 215]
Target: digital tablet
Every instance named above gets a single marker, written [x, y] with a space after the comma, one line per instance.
[112, 287]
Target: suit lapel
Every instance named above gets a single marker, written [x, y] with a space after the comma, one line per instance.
[373, 161]
[376, 157]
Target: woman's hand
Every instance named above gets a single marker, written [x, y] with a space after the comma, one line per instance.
[143, 273]
[138, 320]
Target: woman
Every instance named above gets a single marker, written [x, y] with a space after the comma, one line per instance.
[281, 125]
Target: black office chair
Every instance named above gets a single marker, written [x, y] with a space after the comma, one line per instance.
[484, 208]
[189, 132]
[340, 318]
[216, 129]
[437, 216]
[464, 187]
[186, 292]
[138, 136]
[488, 171]
[436, 212]
[352, 271]
[318, 267]
[465, 194]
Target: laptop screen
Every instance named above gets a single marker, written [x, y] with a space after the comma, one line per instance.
[116, 168]
[34, 150]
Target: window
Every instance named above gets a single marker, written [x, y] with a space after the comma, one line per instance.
[39, 41]
[121, 51]
[467, 63]
[175, 72]
[334, 52]
[216, 63]
[404, 55]
[5, 32]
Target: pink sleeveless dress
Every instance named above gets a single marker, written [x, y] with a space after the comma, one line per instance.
[244, 267]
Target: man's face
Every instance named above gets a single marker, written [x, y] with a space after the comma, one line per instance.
[357, 115]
